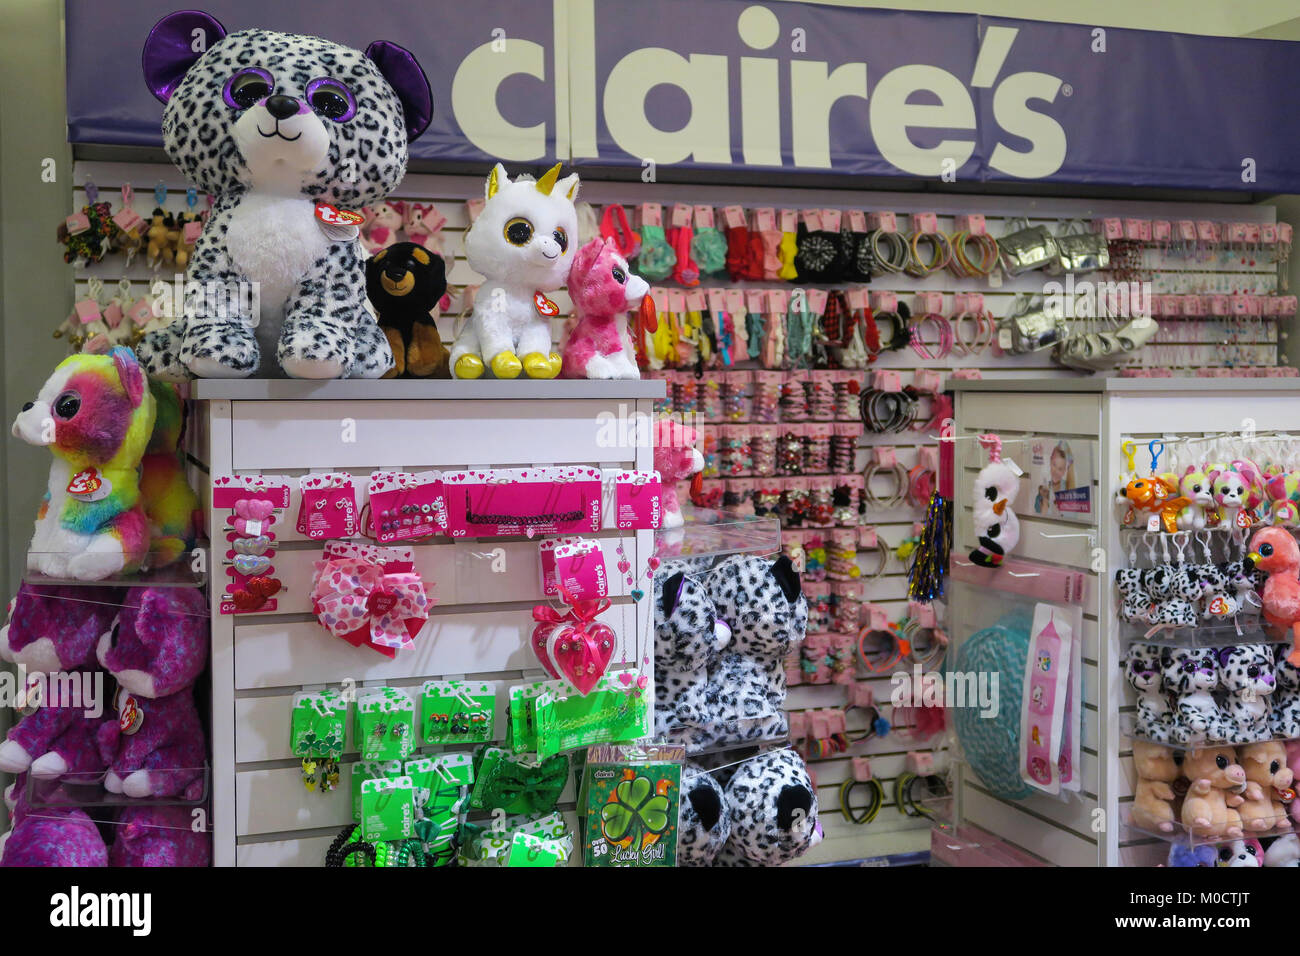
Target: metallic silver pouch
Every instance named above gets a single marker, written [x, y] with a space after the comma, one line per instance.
[1027, 249]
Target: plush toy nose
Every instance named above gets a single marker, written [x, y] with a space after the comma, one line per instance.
[28, 406]
[281, 106]
[1000, 507]
[396, 272]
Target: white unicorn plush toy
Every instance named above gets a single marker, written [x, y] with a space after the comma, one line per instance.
[521, 244]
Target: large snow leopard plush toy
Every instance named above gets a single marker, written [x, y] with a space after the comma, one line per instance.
[292, 135]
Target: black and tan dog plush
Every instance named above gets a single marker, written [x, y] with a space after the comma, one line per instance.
[404, 282]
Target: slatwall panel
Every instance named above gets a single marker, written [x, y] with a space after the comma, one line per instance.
[1058, 829]
[1201, 343]
[1183, 343]
[478, 629]
[1188, 417]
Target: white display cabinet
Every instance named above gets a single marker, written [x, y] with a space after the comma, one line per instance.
[1087, 829]
[485, 588]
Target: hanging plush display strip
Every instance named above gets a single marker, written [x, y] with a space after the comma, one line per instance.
[997, 529]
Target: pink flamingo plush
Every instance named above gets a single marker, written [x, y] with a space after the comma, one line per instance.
[603, 291]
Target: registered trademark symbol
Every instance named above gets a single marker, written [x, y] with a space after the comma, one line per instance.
[1067, 89]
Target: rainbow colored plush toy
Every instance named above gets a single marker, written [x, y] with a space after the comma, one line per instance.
[169, 501]
[96, 415]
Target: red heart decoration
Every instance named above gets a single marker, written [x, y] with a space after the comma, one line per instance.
[581, 652]
[247, 602]
[539, 641]
[381, 602]
[262, 587]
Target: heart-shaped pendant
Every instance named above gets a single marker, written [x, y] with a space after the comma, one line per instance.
[254, 509]
[256, 545]
[637, 594]
[653, 562]
[251, 564]
[625, 565]
[581, 652]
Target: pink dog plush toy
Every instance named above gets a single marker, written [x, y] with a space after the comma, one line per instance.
[603, 291]
[675, 458]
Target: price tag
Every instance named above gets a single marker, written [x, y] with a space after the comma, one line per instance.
[703, 217]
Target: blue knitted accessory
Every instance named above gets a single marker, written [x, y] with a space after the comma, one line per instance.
[992, 744]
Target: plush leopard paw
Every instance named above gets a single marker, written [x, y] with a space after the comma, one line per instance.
[373, 352]
[320, 347]
[220, 348]
[160, 355]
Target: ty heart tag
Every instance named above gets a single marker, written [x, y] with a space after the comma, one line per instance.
[581, 653]
[251, 564]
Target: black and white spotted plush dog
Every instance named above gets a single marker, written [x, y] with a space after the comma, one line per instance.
[293, 135]
[1192, 676]
[689, 639]
[762, 602]
[1286, 699]
[1143, 669]
[1246, 672]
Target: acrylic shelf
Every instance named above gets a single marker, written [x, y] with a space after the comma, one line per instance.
[1128, 729]
[1247, 629]
[710, 533]
[1186, 836]
[87, 791]
[179, 573]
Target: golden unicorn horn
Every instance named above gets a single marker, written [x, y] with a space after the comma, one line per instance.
[547, 182]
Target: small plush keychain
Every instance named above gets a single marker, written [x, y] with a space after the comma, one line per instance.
[997, 529]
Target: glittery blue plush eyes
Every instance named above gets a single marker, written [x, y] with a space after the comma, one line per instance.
[331, 99]
[247, 88]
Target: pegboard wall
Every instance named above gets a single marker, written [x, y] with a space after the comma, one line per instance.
[1183, 343]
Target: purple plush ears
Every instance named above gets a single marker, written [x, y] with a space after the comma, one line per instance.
[129, 371]
[174, 44]
[405, 75]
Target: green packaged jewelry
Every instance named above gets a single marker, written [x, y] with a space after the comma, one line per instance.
[385, 724]
[364, 770]
[521, 785]
[522, 738]
[387, 809]
[611, 713]
[628, 803]
[317, 725]
[491, 845]
[458, 711]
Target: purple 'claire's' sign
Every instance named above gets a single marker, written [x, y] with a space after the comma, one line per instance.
[792, 86]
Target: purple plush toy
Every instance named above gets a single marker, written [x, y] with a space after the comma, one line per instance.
[157, 649]
[59, 740]
[55, 628]
[50, 836]
[158, 836]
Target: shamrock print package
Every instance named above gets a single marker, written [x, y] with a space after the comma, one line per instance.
[630, 797]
